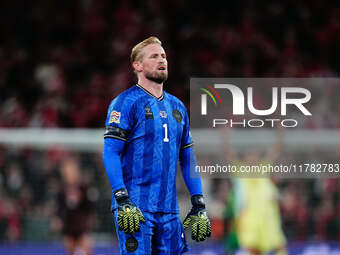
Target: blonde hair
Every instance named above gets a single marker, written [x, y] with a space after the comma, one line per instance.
[135, 53]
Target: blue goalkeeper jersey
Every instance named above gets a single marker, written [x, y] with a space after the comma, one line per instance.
[155, 130]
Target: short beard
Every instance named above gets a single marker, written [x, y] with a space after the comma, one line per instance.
[158, 78]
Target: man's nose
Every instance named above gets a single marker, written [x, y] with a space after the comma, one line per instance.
[162, 60]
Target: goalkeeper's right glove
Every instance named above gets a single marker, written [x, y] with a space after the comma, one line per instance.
[129, 216]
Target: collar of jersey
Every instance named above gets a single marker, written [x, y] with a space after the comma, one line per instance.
[158, 98]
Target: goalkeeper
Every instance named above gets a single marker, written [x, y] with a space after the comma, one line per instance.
[147, 132]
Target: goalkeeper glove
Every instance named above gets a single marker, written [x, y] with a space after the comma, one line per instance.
[129, 216]
[197, 217]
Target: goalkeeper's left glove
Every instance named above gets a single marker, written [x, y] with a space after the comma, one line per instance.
[198, 219]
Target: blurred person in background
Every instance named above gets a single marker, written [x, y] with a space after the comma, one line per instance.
[253, 207]
[10, 228]
[75, 209]
[231, 242]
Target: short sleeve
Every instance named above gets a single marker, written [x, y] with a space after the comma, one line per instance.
[119, 119]
[186, 136]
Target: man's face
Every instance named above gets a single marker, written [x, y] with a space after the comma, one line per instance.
[153, 63]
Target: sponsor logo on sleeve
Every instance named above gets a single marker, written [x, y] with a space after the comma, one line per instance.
[114, 117]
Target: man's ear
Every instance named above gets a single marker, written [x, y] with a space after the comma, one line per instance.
[137, 66]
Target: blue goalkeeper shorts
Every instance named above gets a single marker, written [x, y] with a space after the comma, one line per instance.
[161, 234]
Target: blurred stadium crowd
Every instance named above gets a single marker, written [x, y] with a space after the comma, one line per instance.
[61, 63]
[40, 190]
[32, 181]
